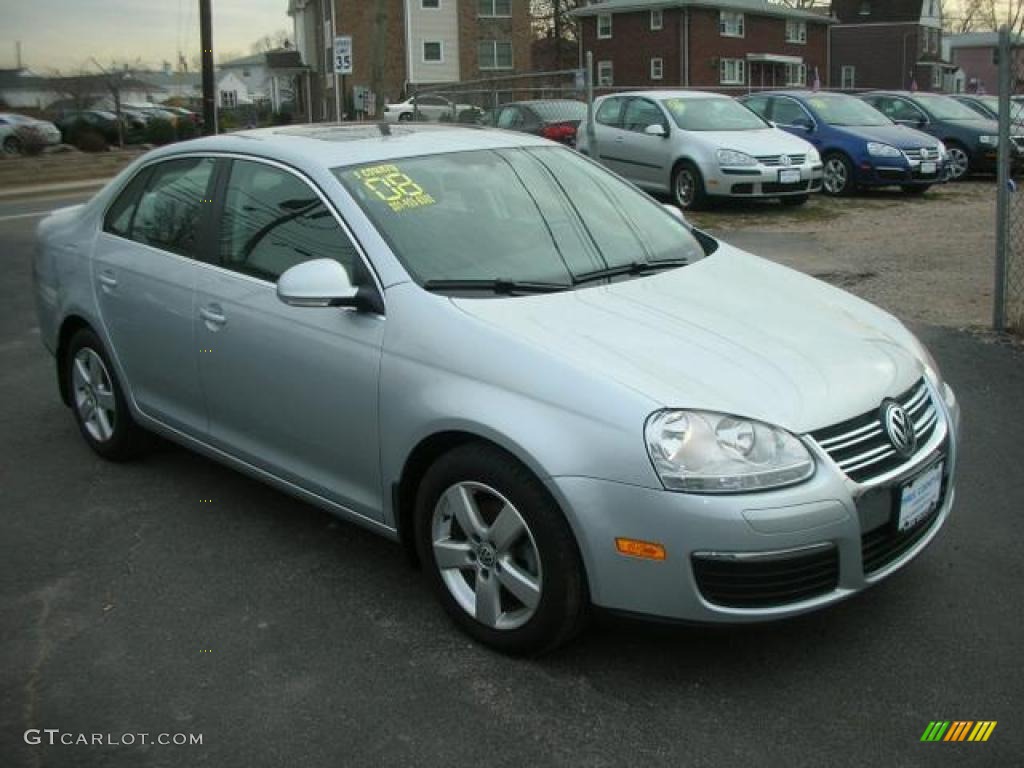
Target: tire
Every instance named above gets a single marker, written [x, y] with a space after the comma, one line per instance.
[688, 190]
[528, 548]
[97, 400]
[405, 117]
[837, 175]
[958, 162]
[915, 189]
[794, 201]
[12, 145]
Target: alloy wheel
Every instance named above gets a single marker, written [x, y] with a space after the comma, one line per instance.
[835, 176]
[94, 394]
[958, 162]
[487, 555]
[686, 187]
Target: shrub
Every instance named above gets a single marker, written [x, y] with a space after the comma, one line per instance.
[31, 140]
[87, 139]
[159, 132]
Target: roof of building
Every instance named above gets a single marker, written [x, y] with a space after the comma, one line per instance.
[876, 11]
[754, 7]
[977, 40]
[279, 58]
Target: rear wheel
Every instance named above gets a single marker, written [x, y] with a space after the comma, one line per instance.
[97, 400]
[688, 187]
[794, 200]
[405, 117]
[837, 175]
[12, 145]
[498, 552]
[958, 162]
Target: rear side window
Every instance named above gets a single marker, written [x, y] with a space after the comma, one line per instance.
[171, 210]
[272, 220]
[119, 216]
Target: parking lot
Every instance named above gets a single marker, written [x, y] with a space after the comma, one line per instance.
[174, 595]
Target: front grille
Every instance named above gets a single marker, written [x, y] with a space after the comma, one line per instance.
[922, 153]
[770, 187]
[742, 189]
[773, 160]
[763, 583]
[861, 448]
[884, 544]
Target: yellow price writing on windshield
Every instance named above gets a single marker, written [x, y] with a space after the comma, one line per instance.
[390, 185]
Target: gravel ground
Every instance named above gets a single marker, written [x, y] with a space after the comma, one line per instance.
[927, 259]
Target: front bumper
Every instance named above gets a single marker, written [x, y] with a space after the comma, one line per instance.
[880, 173]
[763, 181]
[833, 534]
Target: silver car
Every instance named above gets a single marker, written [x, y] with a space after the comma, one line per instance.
[699, 147]
[548, 387]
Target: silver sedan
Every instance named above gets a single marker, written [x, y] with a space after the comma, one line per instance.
[552, 390]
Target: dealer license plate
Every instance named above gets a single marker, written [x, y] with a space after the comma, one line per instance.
[928, 168]
[791, 176]
[920, 496]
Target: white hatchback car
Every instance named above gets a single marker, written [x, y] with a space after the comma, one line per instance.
[432, 108]
[697, 146]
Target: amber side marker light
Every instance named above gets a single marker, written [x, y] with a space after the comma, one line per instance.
[649, 550]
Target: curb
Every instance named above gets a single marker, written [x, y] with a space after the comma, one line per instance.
[40, 190]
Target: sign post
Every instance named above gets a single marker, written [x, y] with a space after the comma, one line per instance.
[343, 67]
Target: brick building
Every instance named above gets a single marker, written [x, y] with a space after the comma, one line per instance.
[974, 54]
[399, 44]
[892, 44]
[713, 44]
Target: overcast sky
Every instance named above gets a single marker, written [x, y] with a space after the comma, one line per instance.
[64, 34]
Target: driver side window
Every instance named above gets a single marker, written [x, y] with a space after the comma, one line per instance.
[640, 114]
[788, 112]
[273, 220]
[898, 109]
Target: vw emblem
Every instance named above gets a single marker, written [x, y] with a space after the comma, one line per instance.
[785, 160]
[899, 428]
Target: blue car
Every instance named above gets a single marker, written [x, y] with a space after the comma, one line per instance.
[859, 146]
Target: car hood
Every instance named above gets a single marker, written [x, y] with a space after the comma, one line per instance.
[981, 125]
[769, 141]
[898, 136]
[732, 333]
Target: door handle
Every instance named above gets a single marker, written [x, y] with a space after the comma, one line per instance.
[107, 279]
[619, 139]
[214, 316]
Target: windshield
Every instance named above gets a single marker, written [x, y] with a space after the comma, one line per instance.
[722, 114]
[538, 215]
[837, 109]
[945, 108]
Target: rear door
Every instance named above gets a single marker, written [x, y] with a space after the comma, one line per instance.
[290, 390]
[144, 268]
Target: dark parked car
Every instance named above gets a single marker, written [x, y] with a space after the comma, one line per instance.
[971, 140]
[98, 120]
[859, 146]
[988, 106]
[555, 119]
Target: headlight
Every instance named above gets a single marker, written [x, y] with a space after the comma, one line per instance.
[732, 157]
[813, 157]
[882, 150]
[990, 141]
[716, 453]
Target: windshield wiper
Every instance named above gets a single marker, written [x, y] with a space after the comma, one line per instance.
[497, 285]
[635, 268]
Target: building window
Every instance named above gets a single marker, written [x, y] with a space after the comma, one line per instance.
[657, 20]
[936, 77]
[495, 54]
[229, 99]
[732, 71]
[730, 24]
[492, 8]
[429, 4]
[865, 9]
[796, 74]
[433, 51]
[657, 69]
[796, 31]
[849, 77]
[604, 26]
[604, 74]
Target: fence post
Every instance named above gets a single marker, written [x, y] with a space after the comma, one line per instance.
[589, 82]
[1003, 183]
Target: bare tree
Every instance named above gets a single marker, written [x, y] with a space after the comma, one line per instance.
[272, 42]
[806, 4]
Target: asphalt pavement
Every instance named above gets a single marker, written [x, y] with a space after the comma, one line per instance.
[129, 604]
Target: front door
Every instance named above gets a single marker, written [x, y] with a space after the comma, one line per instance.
[145, 268]
[650, 157]
[290, 390]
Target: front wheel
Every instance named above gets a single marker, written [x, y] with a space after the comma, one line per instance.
[837, 175]
[688, 187]
[97, 400]
[498, 552]
[12, 145]
[958, 162]
[794, 200]
[405, 117]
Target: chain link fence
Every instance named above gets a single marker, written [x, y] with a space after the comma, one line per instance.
[1008, 295]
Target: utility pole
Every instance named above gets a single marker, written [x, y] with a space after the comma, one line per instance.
[209, 88]
[115, 92]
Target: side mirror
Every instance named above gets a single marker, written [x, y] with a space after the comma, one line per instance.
[676, 213]
[804, 124]
[323, 283]
[656, 130]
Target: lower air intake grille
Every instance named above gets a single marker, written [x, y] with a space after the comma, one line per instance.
[764, 583]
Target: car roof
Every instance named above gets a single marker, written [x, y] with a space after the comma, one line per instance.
[329, 145]
[797, 93]
[671, 94]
